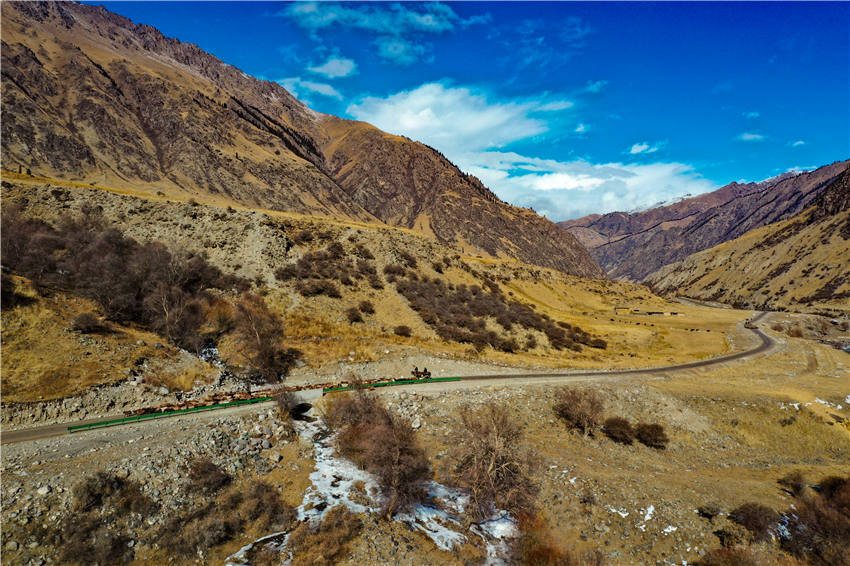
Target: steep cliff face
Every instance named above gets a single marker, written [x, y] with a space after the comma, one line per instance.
[90, 96]
[800, 263]
[630, 246]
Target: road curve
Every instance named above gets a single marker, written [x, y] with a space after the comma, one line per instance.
[35, 433]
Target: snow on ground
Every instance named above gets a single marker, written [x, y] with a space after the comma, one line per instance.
[440, 517]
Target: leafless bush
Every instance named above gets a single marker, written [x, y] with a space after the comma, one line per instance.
[381, 442]
[652, 435]
[535, 546]
[491, 460]
[206, 476]
[795, 482]
[366, 307]
[353, 315]
[579, 408]
[819, 527]
[197, 530]
[756, 518]
[709, 511]
[302, 237]
[259, 333]
[408, 259]
[316, 288]
[261, 504]
[87, 323]
[403, 330]
[325, 543]
[619, 430]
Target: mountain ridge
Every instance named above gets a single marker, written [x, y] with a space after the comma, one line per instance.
[93, 97]
[630, 246]
[791, 264]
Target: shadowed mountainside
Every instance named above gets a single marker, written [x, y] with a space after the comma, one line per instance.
[798, 264]
[89, 96]
[630, 246]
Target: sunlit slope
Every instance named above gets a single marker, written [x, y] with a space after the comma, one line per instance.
[799, 264]
[91, 97]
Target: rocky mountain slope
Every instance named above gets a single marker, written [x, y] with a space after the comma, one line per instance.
[89, 96]
[798, 263]
[630, 246]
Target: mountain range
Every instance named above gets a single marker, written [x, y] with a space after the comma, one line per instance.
[631, 246]
[798, 264]
[89, 96]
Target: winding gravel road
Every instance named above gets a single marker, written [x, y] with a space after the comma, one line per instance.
[35, 433]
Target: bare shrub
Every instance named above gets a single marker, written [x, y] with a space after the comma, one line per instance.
[316, 288]
[286, 402]
[403, 330]
[709, 511]
[491, 460]
[619, 430]
[381, 442]
[756, 518]
[261, 504]
[819, 527]
[86, 539]
[259, 333]
[325, 543]
[579, 408]
[353, 315]
[302, 237]
[794, 482]
[535, 546]
[197, 530]
[205, 476]
[652, 435]
[732, 535]
[408, 259]
[87, 323]
[366, 307]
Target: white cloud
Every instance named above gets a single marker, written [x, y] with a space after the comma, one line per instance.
[393, 25]
[581, 128]
[335, 67]
[302, 89]
[595, 86]
[452, 119]
[471, 130]
[798, 143]
[750, 137]
[751, 115]
[555, 106]
[399, 50]
[643, 147]
[569, 189]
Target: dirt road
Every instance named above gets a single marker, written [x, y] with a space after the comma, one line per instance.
[766, 344]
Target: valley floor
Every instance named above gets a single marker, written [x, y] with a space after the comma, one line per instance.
[735, 429]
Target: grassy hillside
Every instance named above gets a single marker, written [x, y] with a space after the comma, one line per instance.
[257, 244]
[798, 264]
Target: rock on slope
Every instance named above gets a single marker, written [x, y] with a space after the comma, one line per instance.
[630, 246]
[798, 263]
[90, 96]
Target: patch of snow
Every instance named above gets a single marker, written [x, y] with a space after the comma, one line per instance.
[847, 399]
[621, 512]
[670, 529]
[440, 518]
[822, 402]
[649, 511]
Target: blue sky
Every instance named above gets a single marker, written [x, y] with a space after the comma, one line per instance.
[570, 108]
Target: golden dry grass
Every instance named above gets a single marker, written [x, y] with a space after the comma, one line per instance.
[44, 359]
